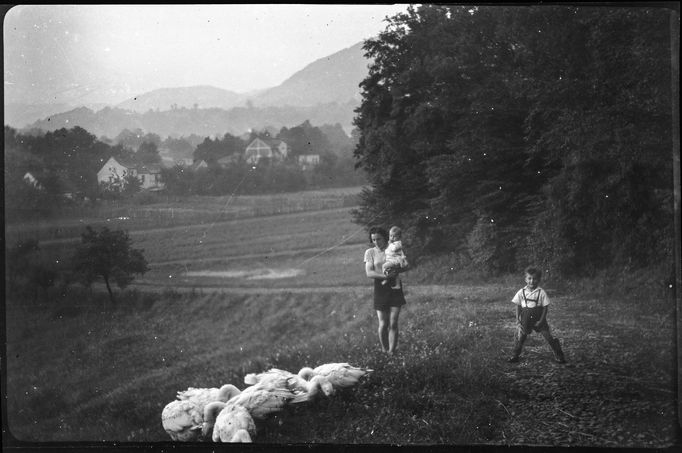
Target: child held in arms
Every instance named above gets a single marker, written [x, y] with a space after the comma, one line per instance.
[395, 257]
[531, 314]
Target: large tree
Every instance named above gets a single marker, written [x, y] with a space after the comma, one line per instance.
[108, 254]
[509, 135]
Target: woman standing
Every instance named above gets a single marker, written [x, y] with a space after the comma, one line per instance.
[387, 300]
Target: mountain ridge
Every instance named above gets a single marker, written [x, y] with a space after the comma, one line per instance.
[330, 82]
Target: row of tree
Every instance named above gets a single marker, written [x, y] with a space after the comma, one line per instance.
[266, 177]
[103, 253]
[67, 161]
[505, 136]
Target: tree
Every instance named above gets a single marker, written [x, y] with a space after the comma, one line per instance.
[513, 134]
[29, 269]
[148, 153]
[212, 150]
[131, 184]
[304, 139]
[108, 254]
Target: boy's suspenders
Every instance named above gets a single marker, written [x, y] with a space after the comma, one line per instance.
[523, 293]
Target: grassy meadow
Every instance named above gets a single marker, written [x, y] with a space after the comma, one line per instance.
[222, 300]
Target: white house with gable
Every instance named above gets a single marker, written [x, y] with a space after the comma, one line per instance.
[275, 150]
[114, 172]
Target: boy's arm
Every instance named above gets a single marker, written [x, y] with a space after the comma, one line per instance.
[518, 313]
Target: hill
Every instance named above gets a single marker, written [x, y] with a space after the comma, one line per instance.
[324, 92]
[335, 78]
[200, 96]
[109, 122]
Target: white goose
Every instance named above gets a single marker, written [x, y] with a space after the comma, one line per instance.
[259, 400]
[279, 378]
[273, 378]
[263, 399]
[312, 388]
[339, 375]
[232, 424]
[272, 374]
[182, 419]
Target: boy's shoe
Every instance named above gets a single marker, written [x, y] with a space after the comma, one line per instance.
[513, 359]
[559, 360]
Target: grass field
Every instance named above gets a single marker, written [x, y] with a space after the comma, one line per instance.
[218, 303]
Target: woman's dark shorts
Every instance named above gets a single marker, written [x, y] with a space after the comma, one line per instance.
[386, 297]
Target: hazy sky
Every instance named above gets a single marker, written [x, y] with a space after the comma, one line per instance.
[108, 53]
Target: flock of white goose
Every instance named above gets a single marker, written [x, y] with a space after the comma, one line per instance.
[227, 414]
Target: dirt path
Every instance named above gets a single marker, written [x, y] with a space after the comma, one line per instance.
[607, 393]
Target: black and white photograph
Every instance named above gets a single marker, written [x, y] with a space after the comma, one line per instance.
[341, 226]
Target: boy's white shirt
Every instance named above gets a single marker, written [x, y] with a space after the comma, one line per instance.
[543, 300]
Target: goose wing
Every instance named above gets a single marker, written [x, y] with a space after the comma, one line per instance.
[262, 402]
[199, 395]
[341, 375]
[203, 396]
[272, 373]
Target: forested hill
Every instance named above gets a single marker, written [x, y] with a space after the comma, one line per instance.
[325, 92]
[505, 136]
[182, 121]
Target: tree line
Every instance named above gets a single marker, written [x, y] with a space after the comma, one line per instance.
[503, 136]
[67, 161]
[102, 253]
[335, 168]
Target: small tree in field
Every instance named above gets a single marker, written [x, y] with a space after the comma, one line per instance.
[108, 254]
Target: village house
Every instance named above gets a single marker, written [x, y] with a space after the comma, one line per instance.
[150, 177]
[199, 165]
[64, 186]
[226, 161]
[184, 161]
[308, 161]
[114, 171]
[32, 180]
[274, 150]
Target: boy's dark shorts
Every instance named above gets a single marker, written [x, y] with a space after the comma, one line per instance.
[530, 318]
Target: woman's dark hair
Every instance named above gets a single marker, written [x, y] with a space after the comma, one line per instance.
[377, 230]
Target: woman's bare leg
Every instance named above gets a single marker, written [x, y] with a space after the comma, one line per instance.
[393, 330]
[384, 317]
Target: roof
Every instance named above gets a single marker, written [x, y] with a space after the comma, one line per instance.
[271, 142]
[149, 168]
[128, 163]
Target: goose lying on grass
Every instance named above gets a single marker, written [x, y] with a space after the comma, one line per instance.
[259, 401]
[182, 419]
[281, 378]
[312, 388]
[339, 375]
[233, 423]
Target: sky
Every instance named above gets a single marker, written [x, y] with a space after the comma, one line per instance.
[109, 53]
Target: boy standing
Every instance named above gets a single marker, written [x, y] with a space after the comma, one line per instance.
[531, 314]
